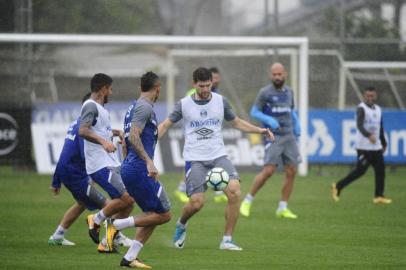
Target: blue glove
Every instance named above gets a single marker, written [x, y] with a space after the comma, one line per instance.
[266, 119]
[296, 124]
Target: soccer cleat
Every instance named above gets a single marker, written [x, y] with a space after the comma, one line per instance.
[103, 248]
[285, 213]
[94, 229]
[59, 242]
[245, 208]
[179, 237]
[382, 200]
[220, 198]
[335, 194]
[229, 245]
[111, 232]
[181, 196]
[122, 240]
[137, 263]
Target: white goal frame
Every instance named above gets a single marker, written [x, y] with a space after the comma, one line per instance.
[302, 43]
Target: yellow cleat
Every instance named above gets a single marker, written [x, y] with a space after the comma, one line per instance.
[103, 248]
[382, 200]
[181, 196]
[286, 213]
[137, 263]
[220, 198]
[111, 232]
[334, 192]
[94, 229]
[245, 208]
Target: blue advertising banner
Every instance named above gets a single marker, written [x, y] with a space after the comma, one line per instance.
[332, 136]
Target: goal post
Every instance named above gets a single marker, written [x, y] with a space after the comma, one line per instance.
[301, 43]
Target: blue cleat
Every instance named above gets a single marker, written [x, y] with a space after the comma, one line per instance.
[179, 236]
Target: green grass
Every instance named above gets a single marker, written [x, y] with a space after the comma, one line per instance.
[351, 234]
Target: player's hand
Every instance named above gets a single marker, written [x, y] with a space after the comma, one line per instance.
[372, 138]
[152, 170]
[384, 149]
[55, 190]
[268, 133]
[121, 136]
[109, 147]
[274, 124]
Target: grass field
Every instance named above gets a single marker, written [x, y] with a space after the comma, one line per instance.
[351, 234]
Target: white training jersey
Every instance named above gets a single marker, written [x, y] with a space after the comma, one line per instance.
[202, 128]
[95, 155]
[372, 124]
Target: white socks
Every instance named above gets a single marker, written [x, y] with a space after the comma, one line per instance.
[124, 223]
[282, 206]
[249, 198]
[227, 238]
[99, 217]
[133, 251]
[59, 233]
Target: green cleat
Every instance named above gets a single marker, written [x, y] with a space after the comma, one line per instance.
[59, 242]
[245, 208]
[286, 213]
[181, 196]
[220, 198]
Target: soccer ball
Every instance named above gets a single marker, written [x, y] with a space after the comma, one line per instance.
[217, 179]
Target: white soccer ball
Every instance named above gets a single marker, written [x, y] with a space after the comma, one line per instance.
[217, 179]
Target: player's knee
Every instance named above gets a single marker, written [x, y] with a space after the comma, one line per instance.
[197, 204]
[127, 199]
[268, 171]
[166, 217]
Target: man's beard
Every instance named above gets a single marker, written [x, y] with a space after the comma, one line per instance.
[106, 99]
[278, 83]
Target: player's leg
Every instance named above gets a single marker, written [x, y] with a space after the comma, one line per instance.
[152, 198]
[180, 192]
[195, 188]
[70, 216]
[110, 180]
[361, 167]
[378, 164]
[273, 151]
[290, 158]
[231, 212]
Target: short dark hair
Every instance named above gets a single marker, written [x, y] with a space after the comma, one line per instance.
[369, 88]
[214, 70]
[148, 81]
[99, 80]
[86, 97]
[201, 74]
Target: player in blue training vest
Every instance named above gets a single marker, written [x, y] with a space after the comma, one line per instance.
[71, 171]
[138, 171]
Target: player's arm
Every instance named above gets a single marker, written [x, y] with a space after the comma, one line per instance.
[245, 126]
[174, 117]
[241, 124]
[142, 112]
[87, 119]
[56, 185]
[258, 115]
[163, 127]
[382, 137]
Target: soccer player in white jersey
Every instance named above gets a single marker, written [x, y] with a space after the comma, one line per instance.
[102, 164]
[370, 145]
[203, 114]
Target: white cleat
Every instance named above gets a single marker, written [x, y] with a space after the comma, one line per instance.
[229, 245]
[59, 242]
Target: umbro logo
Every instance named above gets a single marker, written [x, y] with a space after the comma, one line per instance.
[204, 131]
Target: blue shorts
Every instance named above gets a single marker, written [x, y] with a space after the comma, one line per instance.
[110, 180]
[148, 193]
[83, 192]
